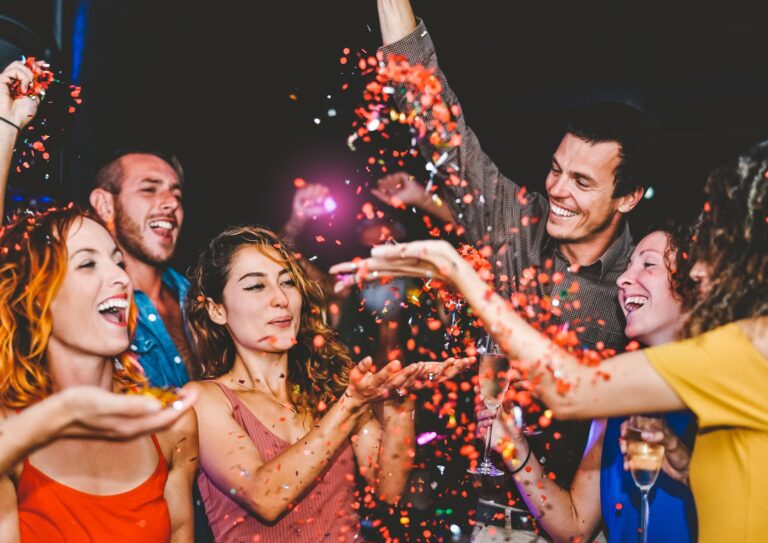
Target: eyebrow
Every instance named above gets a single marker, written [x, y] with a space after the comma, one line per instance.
[262, 274]
[578, 175]
[115, 251]
[153, 181]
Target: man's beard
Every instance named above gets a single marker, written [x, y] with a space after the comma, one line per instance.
[128, 235]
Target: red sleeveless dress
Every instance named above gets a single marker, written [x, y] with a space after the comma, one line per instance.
[324, 514]
[50, 512]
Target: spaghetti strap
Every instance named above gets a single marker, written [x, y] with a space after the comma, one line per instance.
[159, 449]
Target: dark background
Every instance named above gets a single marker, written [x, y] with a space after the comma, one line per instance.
[211, 82]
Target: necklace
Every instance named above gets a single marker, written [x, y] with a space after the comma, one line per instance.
[266, 393]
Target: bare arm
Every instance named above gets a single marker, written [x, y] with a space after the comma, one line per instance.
[9, 513]
[267, 489]
[18, 111]
[181, 444]
[384, 448]
[623, 385]
[82, 411]
[396, 19]
[567, 515]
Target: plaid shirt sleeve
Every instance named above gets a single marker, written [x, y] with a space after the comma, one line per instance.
[491, 208]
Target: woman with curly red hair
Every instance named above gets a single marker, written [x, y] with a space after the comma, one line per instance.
[285, 413]
[66, 315]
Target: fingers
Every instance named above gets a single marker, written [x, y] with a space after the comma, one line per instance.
[381, 376]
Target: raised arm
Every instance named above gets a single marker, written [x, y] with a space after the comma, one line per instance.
[488, 205]
[15, 114]
[623, 385]
[271, 487]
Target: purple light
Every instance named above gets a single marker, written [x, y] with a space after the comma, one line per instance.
[329, 204]
[426, 437]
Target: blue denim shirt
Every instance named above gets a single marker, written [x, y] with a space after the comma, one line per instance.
[152, 343]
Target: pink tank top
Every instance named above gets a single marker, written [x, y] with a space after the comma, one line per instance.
[325, 513]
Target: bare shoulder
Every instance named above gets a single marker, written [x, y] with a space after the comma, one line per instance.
[211, 399]
[183, 432]
[757, 331]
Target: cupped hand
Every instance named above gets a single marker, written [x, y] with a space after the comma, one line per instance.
[677, 457]
[425, 374]
[367, 385]
[431, 259]
[21, 109]
[309, 202]
[95, 412]
[400, 190]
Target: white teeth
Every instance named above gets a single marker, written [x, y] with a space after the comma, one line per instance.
[561, 212]
[639, 301]
[113, 303]
[161, 224]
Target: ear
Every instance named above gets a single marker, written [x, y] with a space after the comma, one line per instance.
[103, 203]
[628, 202]
[216, 312]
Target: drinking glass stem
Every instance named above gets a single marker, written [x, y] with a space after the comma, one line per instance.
[644, 516]
[487, 445]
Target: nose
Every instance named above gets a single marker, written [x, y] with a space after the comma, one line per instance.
[120, 277]
[558, 188]
[627, 278]
[697, 272]
[170, 202]
[279, 297]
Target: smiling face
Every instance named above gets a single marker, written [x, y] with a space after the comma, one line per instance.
[147, 211]
[261, 305]
[580, 187]
[654, 314]
[90, 309]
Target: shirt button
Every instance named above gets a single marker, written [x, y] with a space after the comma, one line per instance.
[177, 359]
[152, 317]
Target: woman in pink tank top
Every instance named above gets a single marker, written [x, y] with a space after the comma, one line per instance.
[287, 414]
[65, 304]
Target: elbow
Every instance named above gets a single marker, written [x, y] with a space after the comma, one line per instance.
[268, 511]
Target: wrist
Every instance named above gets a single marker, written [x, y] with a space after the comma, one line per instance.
[350, 403]
[9, 127]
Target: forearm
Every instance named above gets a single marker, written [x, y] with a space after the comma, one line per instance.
[292, 229]
[276, 484]
[396, 20]
[552, 505]
[29, 430]
[396, 449]
[7, 141]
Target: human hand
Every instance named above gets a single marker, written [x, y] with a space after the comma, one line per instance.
[432, 259]
[94, 412]
[677, 457]
[310, 202]
[18, 109]
[400, 190]
[366, 385]
[427, 374]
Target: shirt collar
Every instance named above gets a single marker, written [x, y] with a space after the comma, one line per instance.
[176, 282]
[609, 259]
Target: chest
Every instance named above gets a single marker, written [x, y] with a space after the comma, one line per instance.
[98, 467]
[278, 419]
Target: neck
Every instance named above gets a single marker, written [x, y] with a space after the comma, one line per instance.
[144, 277]
[267, 371]
[587, 251]
[69, 370]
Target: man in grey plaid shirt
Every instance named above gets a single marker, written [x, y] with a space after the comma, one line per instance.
[576, 234]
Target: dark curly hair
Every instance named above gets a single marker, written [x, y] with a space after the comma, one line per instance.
[315, 373]
[731, 237]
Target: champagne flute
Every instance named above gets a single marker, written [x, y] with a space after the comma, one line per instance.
[493, 373]
[645, 460]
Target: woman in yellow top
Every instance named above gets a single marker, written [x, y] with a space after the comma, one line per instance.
[721, 373]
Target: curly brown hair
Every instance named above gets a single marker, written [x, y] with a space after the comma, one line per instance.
[318, 365]
[731, 237]
[33, 263]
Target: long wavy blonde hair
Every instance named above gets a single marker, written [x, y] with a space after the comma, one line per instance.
[318, 365]
[33, 264]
